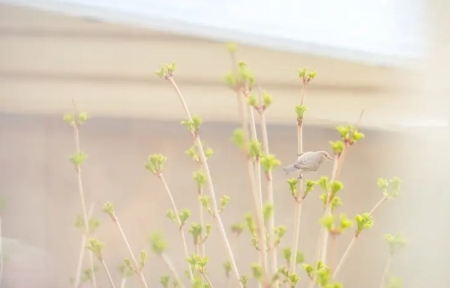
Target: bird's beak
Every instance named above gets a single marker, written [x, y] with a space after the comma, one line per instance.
[329, 157]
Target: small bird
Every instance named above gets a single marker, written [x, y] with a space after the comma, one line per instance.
[307, 161]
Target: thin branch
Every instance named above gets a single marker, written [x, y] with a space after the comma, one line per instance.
[298, 202]
[135, 263]
[180, 224]
[344, 257]
[270, 200]
[76, 133]
[123, 282]
[207, 279]
[171, 268]
[350, 245]
[84, 237]
[204, 162]
[108, 273]
[386, 270]
[202, 243]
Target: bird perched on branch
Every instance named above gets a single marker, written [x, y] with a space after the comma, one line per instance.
[306, 162]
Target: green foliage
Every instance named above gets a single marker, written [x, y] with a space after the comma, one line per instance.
[269, 162]
[80, 119]
[396, 242]
[309, 269]
[279, 232]
[323, 183]
[238, 228]
[364, 221]
[108, 208]
[155, 163]
[329, 223]
[78, 158]
[125, 271]
[200, 179]
[335, 187]
[335, 202]
[192, 152]
[306, 75]
[227, 268]
[224, 202]
[293, 186]
[267, 100]
[287, 253]
[250, 222]
[244, 280]
[394, 282]
[193, 124]
[267, 211]
[184, 216]
[349, 134]
[196, 231]
[300, 111]
[96, 247]
[254, 149]
[198, 263]
[238, 138]
[143, 258]
[337, 146]
[291, 278]
[309, 187]
[231, 47]
[164, 280]
[251, 100]
[391, 187]
[166, 70]
[206, 203]
[157, 242]
[93, 223]
[257, 271]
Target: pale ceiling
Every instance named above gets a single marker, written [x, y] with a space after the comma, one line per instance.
[46, 59]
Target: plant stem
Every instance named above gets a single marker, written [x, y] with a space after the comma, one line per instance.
[344, 257]
[76, 133]
[207, 279]
[183, 236]
[84, 237]
[123, 282]
[204, 162]
[136, 266]
[386, 270]
[108, 273]
[170, 266]
[298, 202]
[1, 253]
[350, 245]
[270, 200]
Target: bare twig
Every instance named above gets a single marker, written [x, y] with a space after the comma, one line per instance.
[386, 270]
[350, 245]
[204, 162]
[298, 202]
[123, 282]
[108, 273]
[270, 200]
[137, 271]
[84, 237]
[76, 133]
[180, 224]
[171, 268]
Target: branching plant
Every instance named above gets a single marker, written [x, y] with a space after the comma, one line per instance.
[266, 235]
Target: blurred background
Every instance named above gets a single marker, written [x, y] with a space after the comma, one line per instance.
[386, 57]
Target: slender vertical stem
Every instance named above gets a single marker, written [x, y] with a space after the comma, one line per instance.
[344, 257]
[204, 162]
[123, 282]
[207, 280]
[182, 234]
[350, 245]
[171, 268]
[298, 203]
[76, 133]
[84, 237]
[108, 273]
[135, 263]
[386, 270]
[270, 200]
[1, 253]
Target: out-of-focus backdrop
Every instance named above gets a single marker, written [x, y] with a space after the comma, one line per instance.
[374, 57]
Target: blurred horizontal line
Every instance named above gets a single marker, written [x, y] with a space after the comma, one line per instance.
[154, 80]
[101, 35]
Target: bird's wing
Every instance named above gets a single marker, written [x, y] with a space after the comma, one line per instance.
[307, 162]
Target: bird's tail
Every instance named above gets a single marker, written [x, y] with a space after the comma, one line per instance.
[288, 169]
